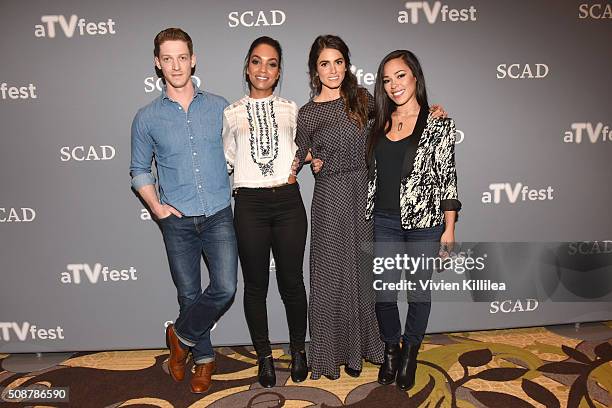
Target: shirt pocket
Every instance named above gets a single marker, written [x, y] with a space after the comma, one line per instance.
[211, 127]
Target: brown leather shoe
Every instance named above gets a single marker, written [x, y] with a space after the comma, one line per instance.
[201, 380]
[178, 355]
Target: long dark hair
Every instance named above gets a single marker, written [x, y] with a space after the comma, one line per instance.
[272, 43]
[384, 105]
[355, 98]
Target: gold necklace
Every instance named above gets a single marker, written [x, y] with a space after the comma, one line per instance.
[399, 125]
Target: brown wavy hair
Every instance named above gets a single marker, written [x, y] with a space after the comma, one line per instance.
[355, 97]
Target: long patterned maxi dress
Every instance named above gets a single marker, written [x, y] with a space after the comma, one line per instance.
[343, 327]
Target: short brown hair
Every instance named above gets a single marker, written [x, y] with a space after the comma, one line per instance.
[171, 34]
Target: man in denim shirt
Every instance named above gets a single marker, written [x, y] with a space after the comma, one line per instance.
[182, 130]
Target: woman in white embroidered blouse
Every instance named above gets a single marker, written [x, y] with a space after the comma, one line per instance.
[259, 144]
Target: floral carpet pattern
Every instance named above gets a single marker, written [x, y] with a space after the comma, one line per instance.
[557, 366]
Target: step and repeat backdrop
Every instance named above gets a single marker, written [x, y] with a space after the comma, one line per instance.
[82, 264]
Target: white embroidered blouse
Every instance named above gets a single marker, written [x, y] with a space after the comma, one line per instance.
[259, 140]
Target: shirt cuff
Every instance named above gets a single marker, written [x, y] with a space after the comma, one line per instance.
[141, 180]
[450, 205]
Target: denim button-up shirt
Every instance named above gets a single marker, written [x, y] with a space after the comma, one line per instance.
[188, 151]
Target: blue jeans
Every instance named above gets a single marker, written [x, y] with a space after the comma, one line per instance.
[186, 239]
[388, 234]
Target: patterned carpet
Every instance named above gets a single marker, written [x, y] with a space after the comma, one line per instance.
[556, 366]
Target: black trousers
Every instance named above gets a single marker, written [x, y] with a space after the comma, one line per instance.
[272, 218]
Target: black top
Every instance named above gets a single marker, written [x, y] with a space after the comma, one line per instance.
[394, 160]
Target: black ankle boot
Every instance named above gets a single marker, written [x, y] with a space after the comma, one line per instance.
[299, 366]
[266, 374]
[408, 365]
[352, 372]
[388, 369]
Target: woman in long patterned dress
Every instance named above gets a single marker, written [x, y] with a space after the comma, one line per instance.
[332, 126]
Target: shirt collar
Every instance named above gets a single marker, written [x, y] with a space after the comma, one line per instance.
[197, 91]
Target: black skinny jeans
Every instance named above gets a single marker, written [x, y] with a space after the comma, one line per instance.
[273, 218]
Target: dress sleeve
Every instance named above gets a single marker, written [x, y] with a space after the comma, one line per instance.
[445, 166]
[303, 139]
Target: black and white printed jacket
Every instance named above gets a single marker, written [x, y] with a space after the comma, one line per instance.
[431, 187]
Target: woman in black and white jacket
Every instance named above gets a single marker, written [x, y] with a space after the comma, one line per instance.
[412, 196]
